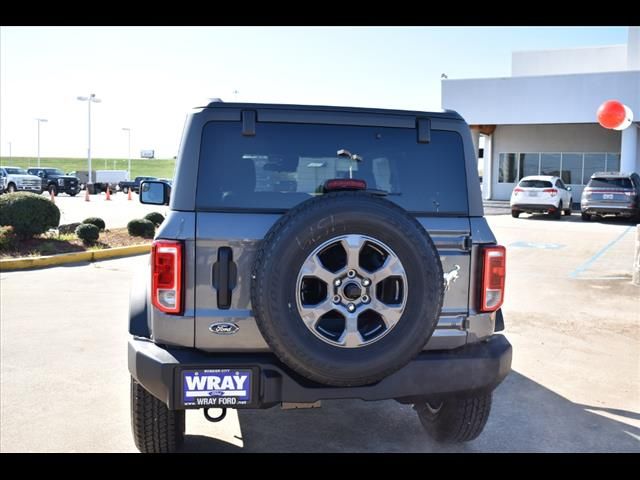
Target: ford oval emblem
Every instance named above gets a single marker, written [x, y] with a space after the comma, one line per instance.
[223, 328]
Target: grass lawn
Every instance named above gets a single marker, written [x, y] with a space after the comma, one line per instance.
[53, 243]
[139, 167]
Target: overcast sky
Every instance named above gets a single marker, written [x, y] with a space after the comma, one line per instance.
[149, 77]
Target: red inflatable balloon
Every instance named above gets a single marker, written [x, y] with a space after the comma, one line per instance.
[611, 114]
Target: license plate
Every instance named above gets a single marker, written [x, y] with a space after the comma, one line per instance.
[533, 194]
[607, 196]
[216, 387]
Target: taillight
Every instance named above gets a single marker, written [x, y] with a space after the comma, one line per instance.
[166, 276]
[517, 190]
[493, 275]
[551, 191]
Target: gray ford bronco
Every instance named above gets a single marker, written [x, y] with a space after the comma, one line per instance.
[317, 253]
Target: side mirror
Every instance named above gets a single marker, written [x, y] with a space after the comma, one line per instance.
[154, 193]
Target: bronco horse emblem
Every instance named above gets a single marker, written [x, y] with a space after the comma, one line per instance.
[451, 277]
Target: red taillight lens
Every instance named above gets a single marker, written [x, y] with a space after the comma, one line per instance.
[166, 276]
[493, 275]
[552, 191]
[517, 190]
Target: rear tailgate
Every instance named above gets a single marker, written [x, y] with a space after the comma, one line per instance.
[240, 235]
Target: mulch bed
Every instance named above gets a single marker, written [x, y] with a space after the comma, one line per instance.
[50, 245]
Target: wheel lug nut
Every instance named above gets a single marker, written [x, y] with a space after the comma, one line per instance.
[337, 282]
[351, 273]
[336, 299]
[351, 307]
[365, 299]
[366, 282]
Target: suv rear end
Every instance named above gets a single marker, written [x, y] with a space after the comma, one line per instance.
[611, 193]
[541, 194]
[261, 187]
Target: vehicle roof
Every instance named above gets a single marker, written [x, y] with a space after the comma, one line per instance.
[540, 177]
[611, 174]
[11, 166]
[450, 114]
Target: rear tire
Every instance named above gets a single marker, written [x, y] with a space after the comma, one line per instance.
[155, 428]
[53, 190]
[557, 215]
[455, 420]
[515, 213]
[125, 189]
[586, 217]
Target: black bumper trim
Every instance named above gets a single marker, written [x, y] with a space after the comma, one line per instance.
[478, 367]
[522, 207]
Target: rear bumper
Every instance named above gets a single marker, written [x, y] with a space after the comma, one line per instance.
[626, 210]
[474, 368]
[533, 207]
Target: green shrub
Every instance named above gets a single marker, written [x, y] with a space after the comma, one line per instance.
[88, 232]
[68, 228]
[98, 222]
[155, 217]
[8, 239]
[141, 227]
[29, 214]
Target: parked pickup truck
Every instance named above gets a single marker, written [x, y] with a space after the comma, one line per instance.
[134, 185]
[55, 181]
[17, 179]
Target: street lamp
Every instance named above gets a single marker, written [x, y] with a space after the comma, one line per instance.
[91, 98]
[128, 130]
[39, 120]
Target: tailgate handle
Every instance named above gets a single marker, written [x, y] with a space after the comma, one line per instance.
[224, 277]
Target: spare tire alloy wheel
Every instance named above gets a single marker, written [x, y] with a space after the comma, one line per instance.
[358, 303]
[347, 288]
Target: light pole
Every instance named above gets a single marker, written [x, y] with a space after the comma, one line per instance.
[91, 98]
[128, 130]
[9, 152]
[39, 120]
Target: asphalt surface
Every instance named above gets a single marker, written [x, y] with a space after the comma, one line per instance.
[571, 314]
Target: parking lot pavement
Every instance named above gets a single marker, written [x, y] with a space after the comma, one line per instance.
[574, 385]
[116, 212]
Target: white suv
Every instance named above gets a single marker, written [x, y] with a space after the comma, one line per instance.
[541, 194]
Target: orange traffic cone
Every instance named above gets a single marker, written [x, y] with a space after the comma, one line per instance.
[129, 196]
[86, 194]
[53, 197]
[108, 194]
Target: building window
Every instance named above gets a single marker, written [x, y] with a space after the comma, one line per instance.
[613, 162]
[550, 164]
[529, 164]
[572, 168]
[507, 168]
[593, 162]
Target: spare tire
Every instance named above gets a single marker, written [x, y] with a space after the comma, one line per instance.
[347, 288]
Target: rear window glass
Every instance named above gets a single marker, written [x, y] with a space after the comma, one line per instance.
[285, 164]
[610, 182]
[535, 184]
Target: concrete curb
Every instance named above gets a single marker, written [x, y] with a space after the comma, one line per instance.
[74, 257]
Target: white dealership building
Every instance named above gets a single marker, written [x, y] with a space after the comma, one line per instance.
[542, 119]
